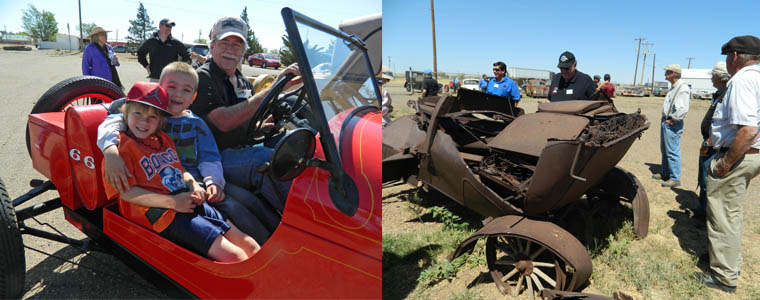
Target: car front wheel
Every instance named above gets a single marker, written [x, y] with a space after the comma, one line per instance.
[264, 65]
[12, 258]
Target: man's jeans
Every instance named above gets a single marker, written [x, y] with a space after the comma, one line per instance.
[670, 147]
[704, 167]
[240, 168]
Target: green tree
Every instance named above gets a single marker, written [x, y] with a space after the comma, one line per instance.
[316, 54]
[39, 24]
[253, 42]
[287, 56]
[140, 28]
[86, 28]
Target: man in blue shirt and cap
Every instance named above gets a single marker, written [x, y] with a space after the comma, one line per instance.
[501, 85]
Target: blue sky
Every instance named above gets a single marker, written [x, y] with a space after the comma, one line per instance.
[190, 15]
[471, 35]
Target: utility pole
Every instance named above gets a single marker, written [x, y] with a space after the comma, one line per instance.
[644, 63]
[638, 49]
[435, 59]
[654, 58]
[389, 61]
[199, 34]
[68, 32]
[117, 34]
[81, 38]
[689, 58]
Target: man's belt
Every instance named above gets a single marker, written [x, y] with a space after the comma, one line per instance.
[750, 151]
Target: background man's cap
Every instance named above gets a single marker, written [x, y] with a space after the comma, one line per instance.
[167, 22]
[427, 71]
[606, 76]
[96, 30]
[228, 26]
[566, 60]
[746, 44]
[597, 77]
[149, 93]
[719, 68]
[386, 73]
[673, 67]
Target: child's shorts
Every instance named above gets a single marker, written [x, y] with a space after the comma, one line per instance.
[196, 231]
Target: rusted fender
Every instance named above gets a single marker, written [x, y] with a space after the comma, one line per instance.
[400, 139]
[624, 184]
[557, 240]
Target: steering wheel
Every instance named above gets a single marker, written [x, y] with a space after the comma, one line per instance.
[268, 106]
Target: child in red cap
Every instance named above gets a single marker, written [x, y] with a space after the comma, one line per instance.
[162, 196]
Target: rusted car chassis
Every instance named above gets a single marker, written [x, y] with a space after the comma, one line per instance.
[522, 171]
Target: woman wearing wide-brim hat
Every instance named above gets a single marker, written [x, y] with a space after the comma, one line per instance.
[99, 58]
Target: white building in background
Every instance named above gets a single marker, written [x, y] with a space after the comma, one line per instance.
[63, 42]
[699, 79]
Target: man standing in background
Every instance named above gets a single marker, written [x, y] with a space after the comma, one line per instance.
[570, 84]
[163, 49]
[674, 110]
[501, 85]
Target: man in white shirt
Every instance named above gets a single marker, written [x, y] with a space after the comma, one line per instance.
[733, 133]
[674, 110]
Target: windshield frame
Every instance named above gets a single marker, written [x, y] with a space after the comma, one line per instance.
[292, 19]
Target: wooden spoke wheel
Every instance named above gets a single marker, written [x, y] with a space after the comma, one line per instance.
[521, 264]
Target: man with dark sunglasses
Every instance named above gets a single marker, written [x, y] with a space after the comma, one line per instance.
[501, 85]
[570, 84]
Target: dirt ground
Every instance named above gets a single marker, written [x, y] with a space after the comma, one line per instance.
[671, 229]
[26, 75]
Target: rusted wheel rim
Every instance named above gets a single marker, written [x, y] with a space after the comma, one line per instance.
[520, 264]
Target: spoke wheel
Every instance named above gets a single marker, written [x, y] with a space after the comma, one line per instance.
[519, 264]
[75, 91]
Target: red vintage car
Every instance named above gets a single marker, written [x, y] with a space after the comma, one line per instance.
[264, 60]
[328, 243]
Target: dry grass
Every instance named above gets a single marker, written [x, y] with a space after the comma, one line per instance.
[660, 266]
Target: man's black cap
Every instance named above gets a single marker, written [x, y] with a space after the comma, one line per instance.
[566, 60]
[746, 44]
[606, 76]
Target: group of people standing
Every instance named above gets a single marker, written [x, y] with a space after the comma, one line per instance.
[99, 58]
[727, 156]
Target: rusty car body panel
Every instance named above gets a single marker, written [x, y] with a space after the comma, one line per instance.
[522, 170]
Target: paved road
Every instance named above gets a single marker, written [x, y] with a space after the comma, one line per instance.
[25, 77]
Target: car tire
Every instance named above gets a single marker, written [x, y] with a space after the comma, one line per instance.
[12, 260]
[250, 63]
[263, 65]
[70, 91]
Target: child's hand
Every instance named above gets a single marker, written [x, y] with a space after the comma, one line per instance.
[215, 193]
[184, 202]
[199, 194]
[115, 169]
